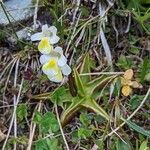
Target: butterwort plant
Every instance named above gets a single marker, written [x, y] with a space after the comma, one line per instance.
[54, 63]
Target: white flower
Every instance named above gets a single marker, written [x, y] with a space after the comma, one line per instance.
[57, 55]
[53, 61]
[50, 33]
[52, 70]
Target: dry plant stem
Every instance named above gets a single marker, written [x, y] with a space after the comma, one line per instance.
[35, 14]
[13, 115]
[4, 70]
[15, 100]
[139, 107]
[102, 73]
[84, 25]
[120, 137]
[103, 13]
[57, 115]
[77, 43]
[129, 23]
[114, 26]
[10, 71]
[73, 32]
[76, 9]
[106, 47]
[32, 129]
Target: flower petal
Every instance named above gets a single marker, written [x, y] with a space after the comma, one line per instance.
[62, 60]
[37, 36]
[53, 29]
[51, 68]
[126, 90]
[135, 84]
[123, 81]
[44, 29]
[57, 78]
[53, 39]
[66, 70]
[45, 59]
[44, 46]
[128, 74]
[59, 49]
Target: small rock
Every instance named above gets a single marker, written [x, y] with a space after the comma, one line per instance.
[19, 10]
[23, 34]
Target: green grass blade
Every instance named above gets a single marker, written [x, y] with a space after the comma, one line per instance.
[137, 128]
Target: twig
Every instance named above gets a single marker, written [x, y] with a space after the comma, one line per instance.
[77, 43]
[32, 129]
[8, 76]
[114, 26]
[4, 70]
[73, 32]
[102, 73]
[35, 14]
[57, 115]
[15, 100]
[13, 115]
[129, 23]
[76, 9]
[103, 13]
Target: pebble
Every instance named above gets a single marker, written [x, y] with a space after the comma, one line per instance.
[19, 10]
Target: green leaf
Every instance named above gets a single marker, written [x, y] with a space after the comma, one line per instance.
[147, 77]
[145, 2]
[124, 62]
[137, 128]
[38, 117]
[85, 11]
[41, 145]
[134, 101]
[21, 112]
[71, 110]
[134, 50]
[142, 19]
[144, 146]
[144, 69]
[60, 95]
[120, 145]
[49, 122]
[86, 67]
[46, 122]
[74, 136]
[117, 87]
[84, 133]
[79, 84]
[85, 119]
[54, 144]
[98, 83]
[92, 105]
[47, 144]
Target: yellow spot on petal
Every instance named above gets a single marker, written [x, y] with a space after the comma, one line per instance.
[58, 77]
[44, 46]
[126, 90]
[52, 64]
[128, 74]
